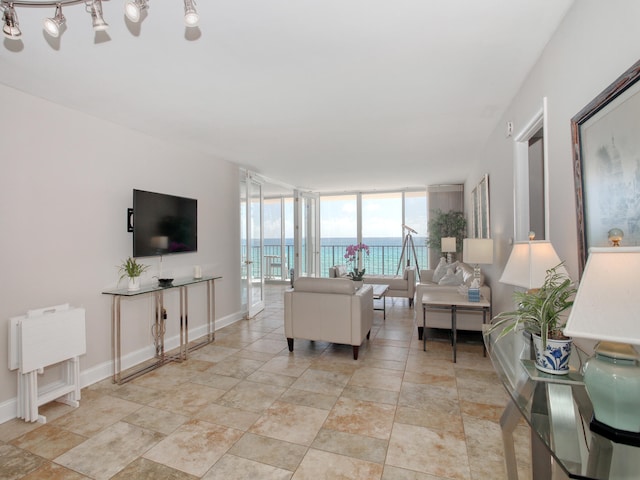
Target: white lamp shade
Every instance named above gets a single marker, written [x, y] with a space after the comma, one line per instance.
[607, 303]
[528, 264]
[477, 250]
[448, 244]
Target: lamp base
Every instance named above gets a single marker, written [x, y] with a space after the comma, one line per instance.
[614, 434]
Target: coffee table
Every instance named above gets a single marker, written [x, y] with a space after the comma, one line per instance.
[455, 302]
[379, 293]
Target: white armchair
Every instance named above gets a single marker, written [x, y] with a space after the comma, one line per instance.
[329, 310]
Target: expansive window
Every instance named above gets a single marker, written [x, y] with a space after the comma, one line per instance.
[377, 220]
[338, 228]
[278, 237]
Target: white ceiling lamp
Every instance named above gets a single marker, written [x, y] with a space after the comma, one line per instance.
[11, 29]
[94, 7]
[53, 26]
[133, 9]
[191, 16]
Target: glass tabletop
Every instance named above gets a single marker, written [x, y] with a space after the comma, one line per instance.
[178, 282]
[558, 410]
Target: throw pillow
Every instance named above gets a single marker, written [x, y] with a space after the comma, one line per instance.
[440, 270]
[341, 270]
[451, 278]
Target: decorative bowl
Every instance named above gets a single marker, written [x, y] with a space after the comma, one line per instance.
[165, 282]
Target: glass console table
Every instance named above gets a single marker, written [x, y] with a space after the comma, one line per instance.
[558, 411]
[158, 328]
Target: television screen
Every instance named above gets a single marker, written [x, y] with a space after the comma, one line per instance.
[163, 224]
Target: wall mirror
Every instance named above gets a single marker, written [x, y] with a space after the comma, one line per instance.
[531, 202]
[606, 154]
[480, 222]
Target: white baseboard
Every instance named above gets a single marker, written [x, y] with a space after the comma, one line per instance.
[8, 408]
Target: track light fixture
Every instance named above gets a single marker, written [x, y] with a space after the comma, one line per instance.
[134, 8]
[191, 16]
[94, 7]
[54, 25]
[11, 29]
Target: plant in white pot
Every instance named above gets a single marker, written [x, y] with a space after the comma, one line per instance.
[540, 312]
[131, 269]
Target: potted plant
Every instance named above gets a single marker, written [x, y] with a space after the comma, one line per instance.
[446, 224]
[539, 313]
[353, 257]
[131, 269]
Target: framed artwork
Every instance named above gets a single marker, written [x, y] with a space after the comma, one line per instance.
[480, 209]
[606, 161]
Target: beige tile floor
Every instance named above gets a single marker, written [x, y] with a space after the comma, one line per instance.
[244, 407]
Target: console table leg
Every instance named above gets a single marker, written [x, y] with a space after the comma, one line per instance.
[508, 422]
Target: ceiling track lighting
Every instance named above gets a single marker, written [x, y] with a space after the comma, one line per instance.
[94, 7]
[133, 9]
[53, 26]
[11, 28]
[191, 16]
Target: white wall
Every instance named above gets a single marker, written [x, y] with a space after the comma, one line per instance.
[65, 185]
[596, 42]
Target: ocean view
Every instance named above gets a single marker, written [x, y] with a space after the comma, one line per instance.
[383, 259]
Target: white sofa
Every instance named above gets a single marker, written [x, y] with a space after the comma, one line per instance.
[399, 286]
[437, 318]
[329, 310]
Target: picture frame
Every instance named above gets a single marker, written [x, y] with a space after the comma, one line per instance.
[480, 221]
[606, 159]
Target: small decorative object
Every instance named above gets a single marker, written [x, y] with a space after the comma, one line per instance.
[615, 236]
[165, 282]
[131, 269]
[354, 257]
[539, 313]
[197, 272]
[474, 294]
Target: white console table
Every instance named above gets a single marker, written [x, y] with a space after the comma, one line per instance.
[159, 328]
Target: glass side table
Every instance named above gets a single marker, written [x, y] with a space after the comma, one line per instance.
[558, 410]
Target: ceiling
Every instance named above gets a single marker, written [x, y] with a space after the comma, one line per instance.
[326, 95]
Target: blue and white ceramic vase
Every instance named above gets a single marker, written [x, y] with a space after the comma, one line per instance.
[553, 359]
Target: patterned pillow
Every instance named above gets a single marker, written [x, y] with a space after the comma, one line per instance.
[341, 270]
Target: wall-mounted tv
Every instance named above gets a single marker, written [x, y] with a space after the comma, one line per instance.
[163, 224]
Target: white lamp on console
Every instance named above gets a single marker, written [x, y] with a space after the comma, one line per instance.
[448, 246]
[606, 308]
[528, 264]
[477, 251]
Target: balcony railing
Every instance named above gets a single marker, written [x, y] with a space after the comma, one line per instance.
[382, 259]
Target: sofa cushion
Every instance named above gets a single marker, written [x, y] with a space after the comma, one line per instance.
[325, 285]
[341, 270]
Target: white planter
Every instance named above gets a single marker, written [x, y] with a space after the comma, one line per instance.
[555, 358]
[134, 284]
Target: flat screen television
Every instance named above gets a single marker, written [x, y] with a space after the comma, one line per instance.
[163, 224]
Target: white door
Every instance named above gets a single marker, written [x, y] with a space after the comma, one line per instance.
[251, 248]
[307, 234]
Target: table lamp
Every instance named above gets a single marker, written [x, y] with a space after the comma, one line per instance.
[528, 264]
[448, 246]
[606, 308]
[477, 251]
